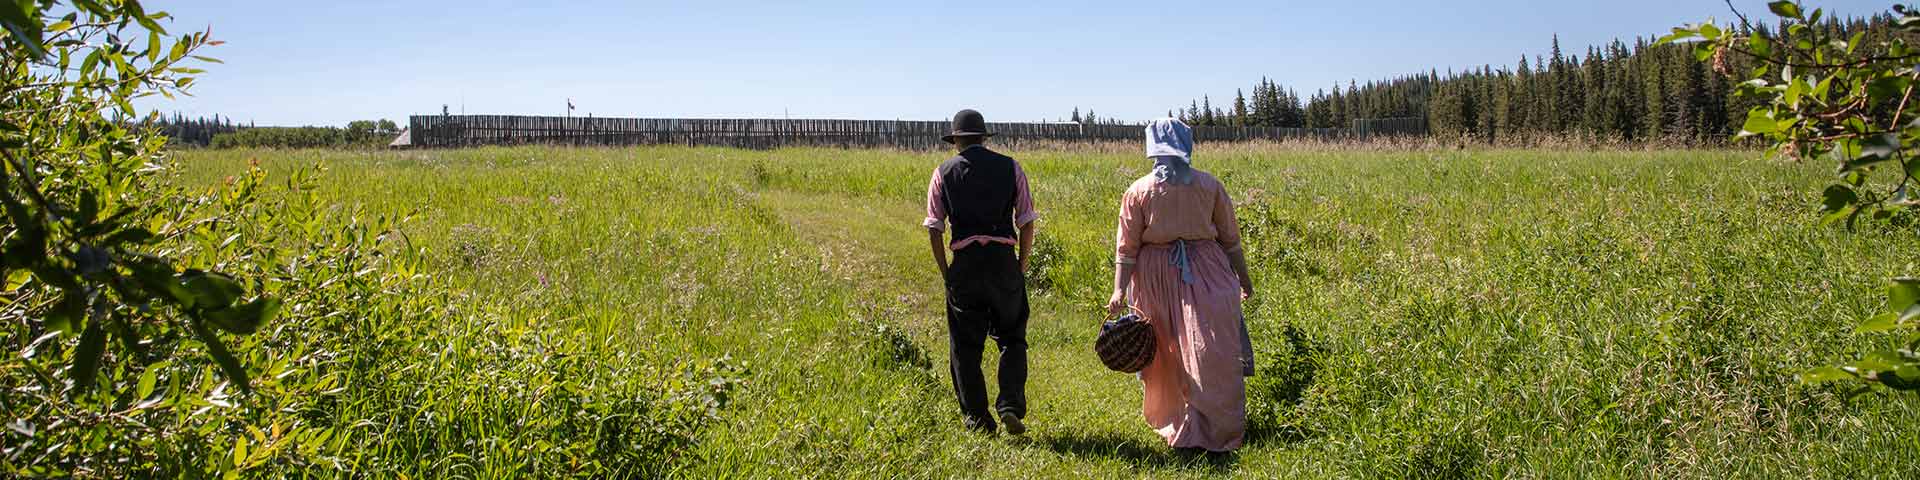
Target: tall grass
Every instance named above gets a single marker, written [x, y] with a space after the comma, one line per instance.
[1421, 312]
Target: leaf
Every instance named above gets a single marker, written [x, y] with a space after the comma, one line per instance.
[86, 356]
[1880, 147]
[131, 236]
[148, 378]
[229, 366]
[1888, 87]
[33, 347]
[1795, 89]
[55, 276]
[211, 291]
[1759, 45]
[1759, 122]
[1838, 215]
[157, 278]
[1908, 316]
[1825, 374]
[22, 21]
[145, 21]
[1908, 372]
[91, 62]
[153, 46]
[69, 315]
[1702, 51]
[129, 338]
[1679, 33]
[89, 206]
[92, 6]
[1838, 197]
[1904, 292]
[1785, 9]
[245, 318]
[17, 279]
[1847, 148]
[1709, 31]
[1878, 323]
[156, 398]
[1877, 361]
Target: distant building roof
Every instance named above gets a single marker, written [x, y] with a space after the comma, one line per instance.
[404, 140]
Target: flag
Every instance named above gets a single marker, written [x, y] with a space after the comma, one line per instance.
[569, 104]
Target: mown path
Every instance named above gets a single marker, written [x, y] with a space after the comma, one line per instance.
[1083, 418]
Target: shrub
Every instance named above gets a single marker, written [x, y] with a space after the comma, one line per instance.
[258, 329]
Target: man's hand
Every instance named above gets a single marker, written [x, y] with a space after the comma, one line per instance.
[1026, 244]
[936, 242]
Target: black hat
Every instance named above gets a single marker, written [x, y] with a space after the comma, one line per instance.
[968, 123]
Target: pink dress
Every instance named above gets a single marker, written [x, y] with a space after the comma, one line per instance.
[1195, 392]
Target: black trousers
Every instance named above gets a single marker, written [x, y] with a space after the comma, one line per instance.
[987, 297]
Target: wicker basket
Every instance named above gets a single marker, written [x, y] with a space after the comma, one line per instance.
[1125, 344]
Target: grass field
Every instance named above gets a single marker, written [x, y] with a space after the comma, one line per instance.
[1445, 313]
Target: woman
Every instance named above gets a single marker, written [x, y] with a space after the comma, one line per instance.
[1179, 252]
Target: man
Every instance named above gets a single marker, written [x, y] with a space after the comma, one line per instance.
[983, 197]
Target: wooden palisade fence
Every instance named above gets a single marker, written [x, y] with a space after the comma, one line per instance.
[475, 130]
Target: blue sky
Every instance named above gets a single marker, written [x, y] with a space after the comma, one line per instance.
[325, 63]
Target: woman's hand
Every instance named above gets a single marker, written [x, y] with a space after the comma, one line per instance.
[1117, 304]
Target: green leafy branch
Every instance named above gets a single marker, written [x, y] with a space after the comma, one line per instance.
[1849, 101]
[1898, 369]
[82, 253]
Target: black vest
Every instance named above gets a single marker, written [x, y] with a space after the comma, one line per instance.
[980, 193]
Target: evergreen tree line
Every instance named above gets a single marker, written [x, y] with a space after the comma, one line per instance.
[1272, 105]
[1091, 119]
[358, 133]
[1276, 105]
[1641, 92]
[221, 132]
[198, 131]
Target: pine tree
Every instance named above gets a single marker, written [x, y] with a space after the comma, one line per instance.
[1593, 85]
[1239, 108]
[1076, 114]
[1206, 111]
[1337, 108]
[1296, 109]
[1319, 111]
[1653, 100]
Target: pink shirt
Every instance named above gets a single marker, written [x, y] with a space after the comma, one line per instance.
[1156, 213]
[1023, 213]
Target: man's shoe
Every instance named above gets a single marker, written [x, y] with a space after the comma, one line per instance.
[978, 424]
[1013, 423]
